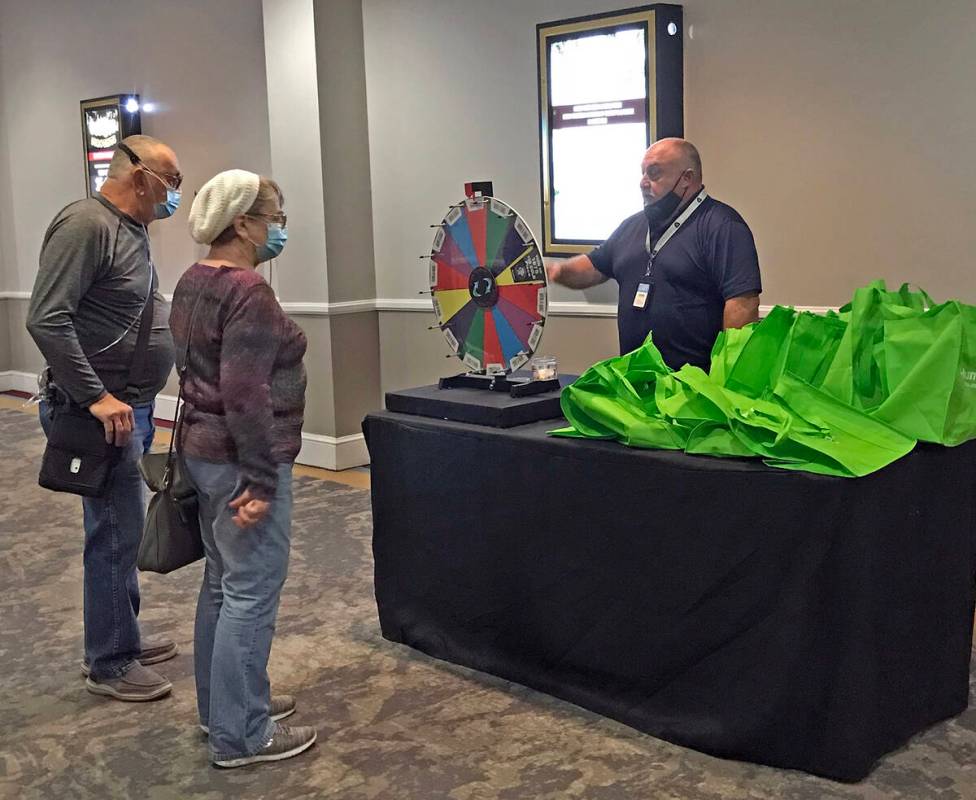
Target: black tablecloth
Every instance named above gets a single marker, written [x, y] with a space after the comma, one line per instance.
[786, 618]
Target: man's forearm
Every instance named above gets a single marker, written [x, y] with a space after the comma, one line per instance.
[740, 311]
[56, 339]
[577, 272]
[68, 261]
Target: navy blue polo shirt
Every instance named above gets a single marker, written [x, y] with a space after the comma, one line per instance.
[709, 259]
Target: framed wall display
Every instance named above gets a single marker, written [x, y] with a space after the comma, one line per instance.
[106, 121]
[609, 85]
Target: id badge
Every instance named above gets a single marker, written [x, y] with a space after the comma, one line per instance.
[640, 298]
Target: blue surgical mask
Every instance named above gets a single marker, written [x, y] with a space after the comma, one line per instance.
[274, 244]
[167, 209]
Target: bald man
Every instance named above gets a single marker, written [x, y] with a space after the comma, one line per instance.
[686, 266]
[94, 279]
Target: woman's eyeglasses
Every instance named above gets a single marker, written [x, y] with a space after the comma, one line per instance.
[281, 219]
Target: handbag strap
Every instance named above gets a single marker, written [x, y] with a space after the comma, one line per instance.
[182, 369]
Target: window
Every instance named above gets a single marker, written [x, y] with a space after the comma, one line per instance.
[600, 109]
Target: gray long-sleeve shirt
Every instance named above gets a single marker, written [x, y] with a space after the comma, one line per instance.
[94, 277]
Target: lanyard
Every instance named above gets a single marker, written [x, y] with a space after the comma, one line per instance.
[672, 229]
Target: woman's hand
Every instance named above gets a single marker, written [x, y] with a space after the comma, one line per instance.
[250, 510]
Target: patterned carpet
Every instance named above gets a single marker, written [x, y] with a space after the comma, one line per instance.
[392, 723]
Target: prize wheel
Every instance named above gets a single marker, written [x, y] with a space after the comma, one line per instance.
[489, 285]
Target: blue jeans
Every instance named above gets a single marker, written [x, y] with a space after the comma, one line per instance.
[242, 579]
[113, 531]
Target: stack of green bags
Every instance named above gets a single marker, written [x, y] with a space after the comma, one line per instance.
[838, 394]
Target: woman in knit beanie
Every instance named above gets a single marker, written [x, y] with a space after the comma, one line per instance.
[243, 385]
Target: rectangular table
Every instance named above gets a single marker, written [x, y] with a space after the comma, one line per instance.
[785, 618]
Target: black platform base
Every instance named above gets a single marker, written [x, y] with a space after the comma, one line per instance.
[513, 385]
[494, 408]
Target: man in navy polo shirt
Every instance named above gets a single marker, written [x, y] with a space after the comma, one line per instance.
[686, 265]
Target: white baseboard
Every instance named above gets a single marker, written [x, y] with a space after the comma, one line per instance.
[14, 381]
[335, 453]
[324, 452]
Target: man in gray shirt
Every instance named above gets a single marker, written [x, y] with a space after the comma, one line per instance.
[94, 279]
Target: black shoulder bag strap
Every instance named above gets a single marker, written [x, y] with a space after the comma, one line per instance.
[137, 367]
[181, 369]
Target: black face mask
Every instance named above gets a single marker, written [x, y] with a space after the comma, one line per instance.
[662, 209]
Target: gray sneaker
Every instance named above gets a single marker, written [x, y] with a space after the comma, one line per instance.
[285, 743]
[137, 685]
[280, 707]
[154, 650]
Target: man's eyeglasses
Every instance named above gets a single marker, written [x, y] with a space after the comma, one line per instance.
[281, 219]
[172, 181]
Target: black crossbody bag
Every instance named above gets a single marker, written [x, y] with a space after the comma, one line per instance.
[77, 459]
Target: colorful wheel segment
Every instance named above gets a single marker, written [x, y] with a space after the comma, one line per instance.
[488, 283]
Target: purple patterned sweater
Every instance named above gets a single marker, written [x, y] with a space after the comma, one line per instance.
[245, 386]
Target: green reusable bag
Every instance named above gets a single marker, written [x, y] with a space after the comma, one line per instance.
[622, 398]
[800, 343]
[728, 346]
[837, 394]
[930, 374]
[762, 357]
[802, 428]
[813, 345]
[831, 437]
[857, 375]
[905, 361]
[614, 399]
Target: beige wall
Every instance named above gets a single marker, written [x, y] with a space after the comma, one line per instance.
[6, 211]
[211, 87]
[202, 63]
[320, 415]
[296, 145]
[341, 88]
[24, 355]
[4, 335]
[356, 366]
[411, 355]
[843, 131]
[345, 149]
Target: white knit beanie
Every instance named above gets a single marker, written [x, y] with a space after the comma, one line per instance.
[223, 197]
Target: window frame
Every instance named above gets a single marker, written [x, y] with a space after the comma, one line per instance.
[548, 33]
